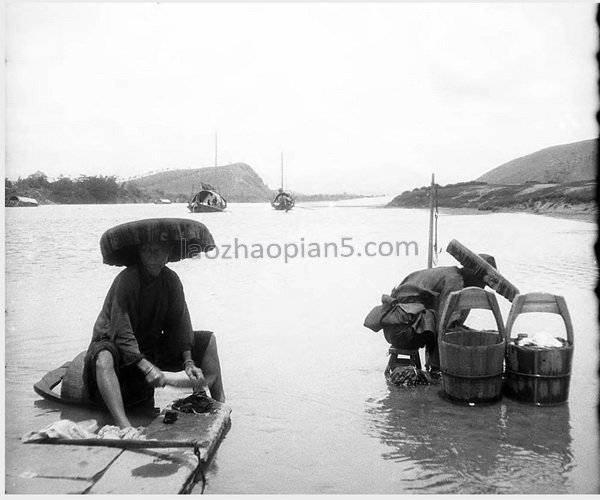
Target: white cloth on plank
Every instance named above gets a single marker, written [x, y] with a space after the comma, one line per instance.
[64, 429]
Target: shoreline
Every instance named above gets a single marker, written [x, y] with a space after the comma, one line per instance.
[590, 216]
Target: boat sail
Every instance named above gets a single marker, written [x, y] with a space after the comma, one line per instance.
[284, 199]
[208, 199]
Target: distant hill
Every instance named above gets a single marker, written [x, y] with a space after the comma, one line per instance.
[237, 182]
[557, 164]
[560, 179]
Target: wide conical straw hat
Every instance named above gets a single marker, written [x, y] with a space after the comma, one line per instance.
[119, 244]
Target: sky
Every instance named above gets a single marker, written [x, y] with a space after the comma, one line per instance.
[368, 98]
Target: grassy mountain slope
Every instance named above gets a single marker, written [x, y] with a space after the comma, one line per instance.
[560, 179]
[236, 182]
[564, 163]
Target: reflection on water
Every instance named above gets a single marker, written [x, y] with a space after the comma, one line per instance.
[499, 448]
[312, 412]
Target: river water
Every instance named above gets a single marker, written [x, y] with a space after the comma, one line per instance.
[312, 411]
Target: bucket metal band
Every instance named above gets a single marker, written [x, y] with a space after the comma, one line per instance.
[537, 375]
[472, 377]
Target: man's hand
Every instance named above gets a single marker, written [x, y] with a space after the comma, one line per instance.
[490, 280]
[194, 373]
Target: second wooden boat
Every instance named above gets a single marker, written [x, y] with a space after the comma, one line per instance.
[283, 200]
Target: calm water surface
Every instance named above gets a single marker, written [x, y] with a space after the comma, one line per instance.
[312, 412]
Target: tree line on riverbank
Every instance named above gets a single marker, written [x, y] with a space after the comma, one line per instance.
[239, 184]
[82, 190]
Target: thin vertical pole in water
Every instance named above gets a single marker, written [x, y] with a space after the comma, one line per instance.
[430, 246]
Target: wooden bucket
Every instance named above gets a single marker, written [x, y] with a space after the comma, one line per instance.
[538, 375]
[471, 361]
[72, 388]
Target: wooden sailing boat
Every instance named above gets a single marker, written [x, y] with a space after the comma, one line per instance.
[208, 199]
[283, 200]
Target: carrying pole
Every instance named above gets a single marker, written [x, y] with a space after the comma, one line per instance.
[430, 245]
[126, 444]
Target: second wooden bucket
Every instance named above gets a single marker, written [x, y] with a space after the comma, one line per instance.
[538, 375]
[471, 361]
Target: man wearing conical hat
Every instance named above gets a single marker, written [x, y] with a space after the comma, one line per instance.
[143, 332]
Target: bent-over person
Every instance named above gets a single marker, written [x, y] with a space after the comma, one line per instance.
[441, 281]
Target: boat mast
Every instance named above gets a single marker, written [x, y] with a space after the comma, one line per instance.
[282, 171]
[430, 246]
[216, 160]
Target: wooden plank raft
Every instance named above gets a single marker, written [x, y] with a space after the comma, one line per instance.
[191, 442]
[171, 459]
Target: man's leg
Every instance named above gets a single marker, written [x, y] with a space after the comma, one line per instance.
[432, 358]
[108, 385]
[207, 358]
[432, 353]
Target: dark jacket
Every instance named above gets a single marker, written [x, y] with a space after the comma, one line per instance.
[440, 280]
[143, 315]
